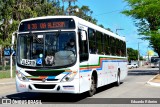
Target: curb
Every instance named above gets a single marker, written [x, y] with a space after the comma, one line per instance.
[7, 83]
[153, 83]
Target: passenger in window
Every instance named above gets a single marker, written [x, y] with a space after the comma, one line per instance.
[49, 60]
[71, 45]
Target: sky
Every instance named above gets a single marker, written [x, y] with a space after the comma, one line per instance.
[107, 12]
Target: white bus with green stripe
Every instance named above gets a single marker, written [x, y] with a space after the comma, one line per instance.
[66, 54]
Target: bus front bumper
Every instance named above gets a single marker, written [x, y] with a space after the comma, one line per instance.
[48, 87]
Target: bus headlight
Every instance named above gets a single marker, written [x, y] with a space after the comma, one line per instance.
[21, 76]
[69, 77]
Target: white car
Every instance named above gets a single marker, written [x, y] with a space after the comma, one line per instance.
[135, 65]
[130, 66]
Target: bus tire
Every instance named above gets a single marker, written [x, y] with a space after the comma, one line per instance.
[118, 79]
[93, 86]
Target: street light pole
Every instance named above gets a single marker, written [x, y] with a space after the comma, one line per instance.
[138, 54]
[11, 53]
[118, 29]
[148, 54]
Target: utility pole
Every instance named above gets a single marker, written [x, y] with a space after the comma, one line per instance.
[138, 54]
[148, 54]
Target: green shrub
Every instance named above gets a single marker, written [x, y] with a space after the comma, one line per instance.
[7, 67]
[1, 68]
[6, 74]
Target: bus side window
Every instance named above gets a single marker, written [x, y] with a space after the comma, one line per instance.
[117, 47]
[107, 45]
[99, 41]
[83, 48]
[103, 43]
[92, 41]
[111, 44]
[124, 49]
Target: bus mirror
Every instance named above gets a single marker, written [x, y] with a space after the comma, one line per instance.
[83, 35]
[13, 37]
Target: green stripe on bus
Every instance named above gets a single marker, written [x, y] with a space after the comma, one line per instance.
[53, 70]
[99, 61]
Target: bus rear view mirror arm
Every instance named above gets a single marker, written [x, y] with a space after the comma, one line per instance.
[13, 37]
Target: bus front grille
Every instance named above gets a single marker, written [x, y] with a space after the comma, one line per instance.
[44, 86]
[45, 73]
[37, 79]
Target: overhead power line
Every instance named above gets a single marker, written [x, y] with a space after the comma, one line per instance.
[108, 12]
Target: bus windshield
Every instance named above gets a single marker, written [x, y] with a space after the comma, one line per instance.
[51, 49]
[155, 59]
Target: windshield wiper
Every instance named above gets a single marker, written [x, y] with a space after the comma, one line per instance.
[39, 41]
[58, 33]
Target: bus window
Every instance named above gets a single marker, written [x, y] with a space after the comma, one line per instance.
[119, 50]
[107, 45]
[92, 41]
[83, 48]
[112, 44]
[99, 42]
[124, 49]
[117, 47]
[103, 45]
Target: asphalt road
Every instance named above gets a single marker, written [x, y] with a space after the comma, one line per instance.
[134, 86]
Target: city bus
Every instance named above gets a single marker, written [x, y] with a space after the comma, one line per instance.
[154, 63]
[96, 56]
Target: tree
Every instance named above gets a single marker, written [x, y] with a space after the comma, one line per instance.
[101, 26]
[16, 10]
[84, 13]
[6, 25]
[6, 18]
[147, 15]
[155, 42]
[132, 54]
[23, 9]
[109, 29]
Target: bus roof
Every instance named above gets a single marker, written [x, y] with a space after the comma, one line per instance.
[82, 22]
[98, 28]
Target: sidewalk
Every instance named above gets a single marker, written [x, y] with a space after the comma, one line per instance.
[155, 81]
[7, 81]
[7, 87]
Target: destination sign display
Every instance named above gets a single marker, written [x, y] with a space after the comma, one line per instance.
[47, 24]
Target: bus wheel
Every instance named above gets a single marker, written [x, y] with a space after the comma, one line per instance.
[93, 87]
[118, 79]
